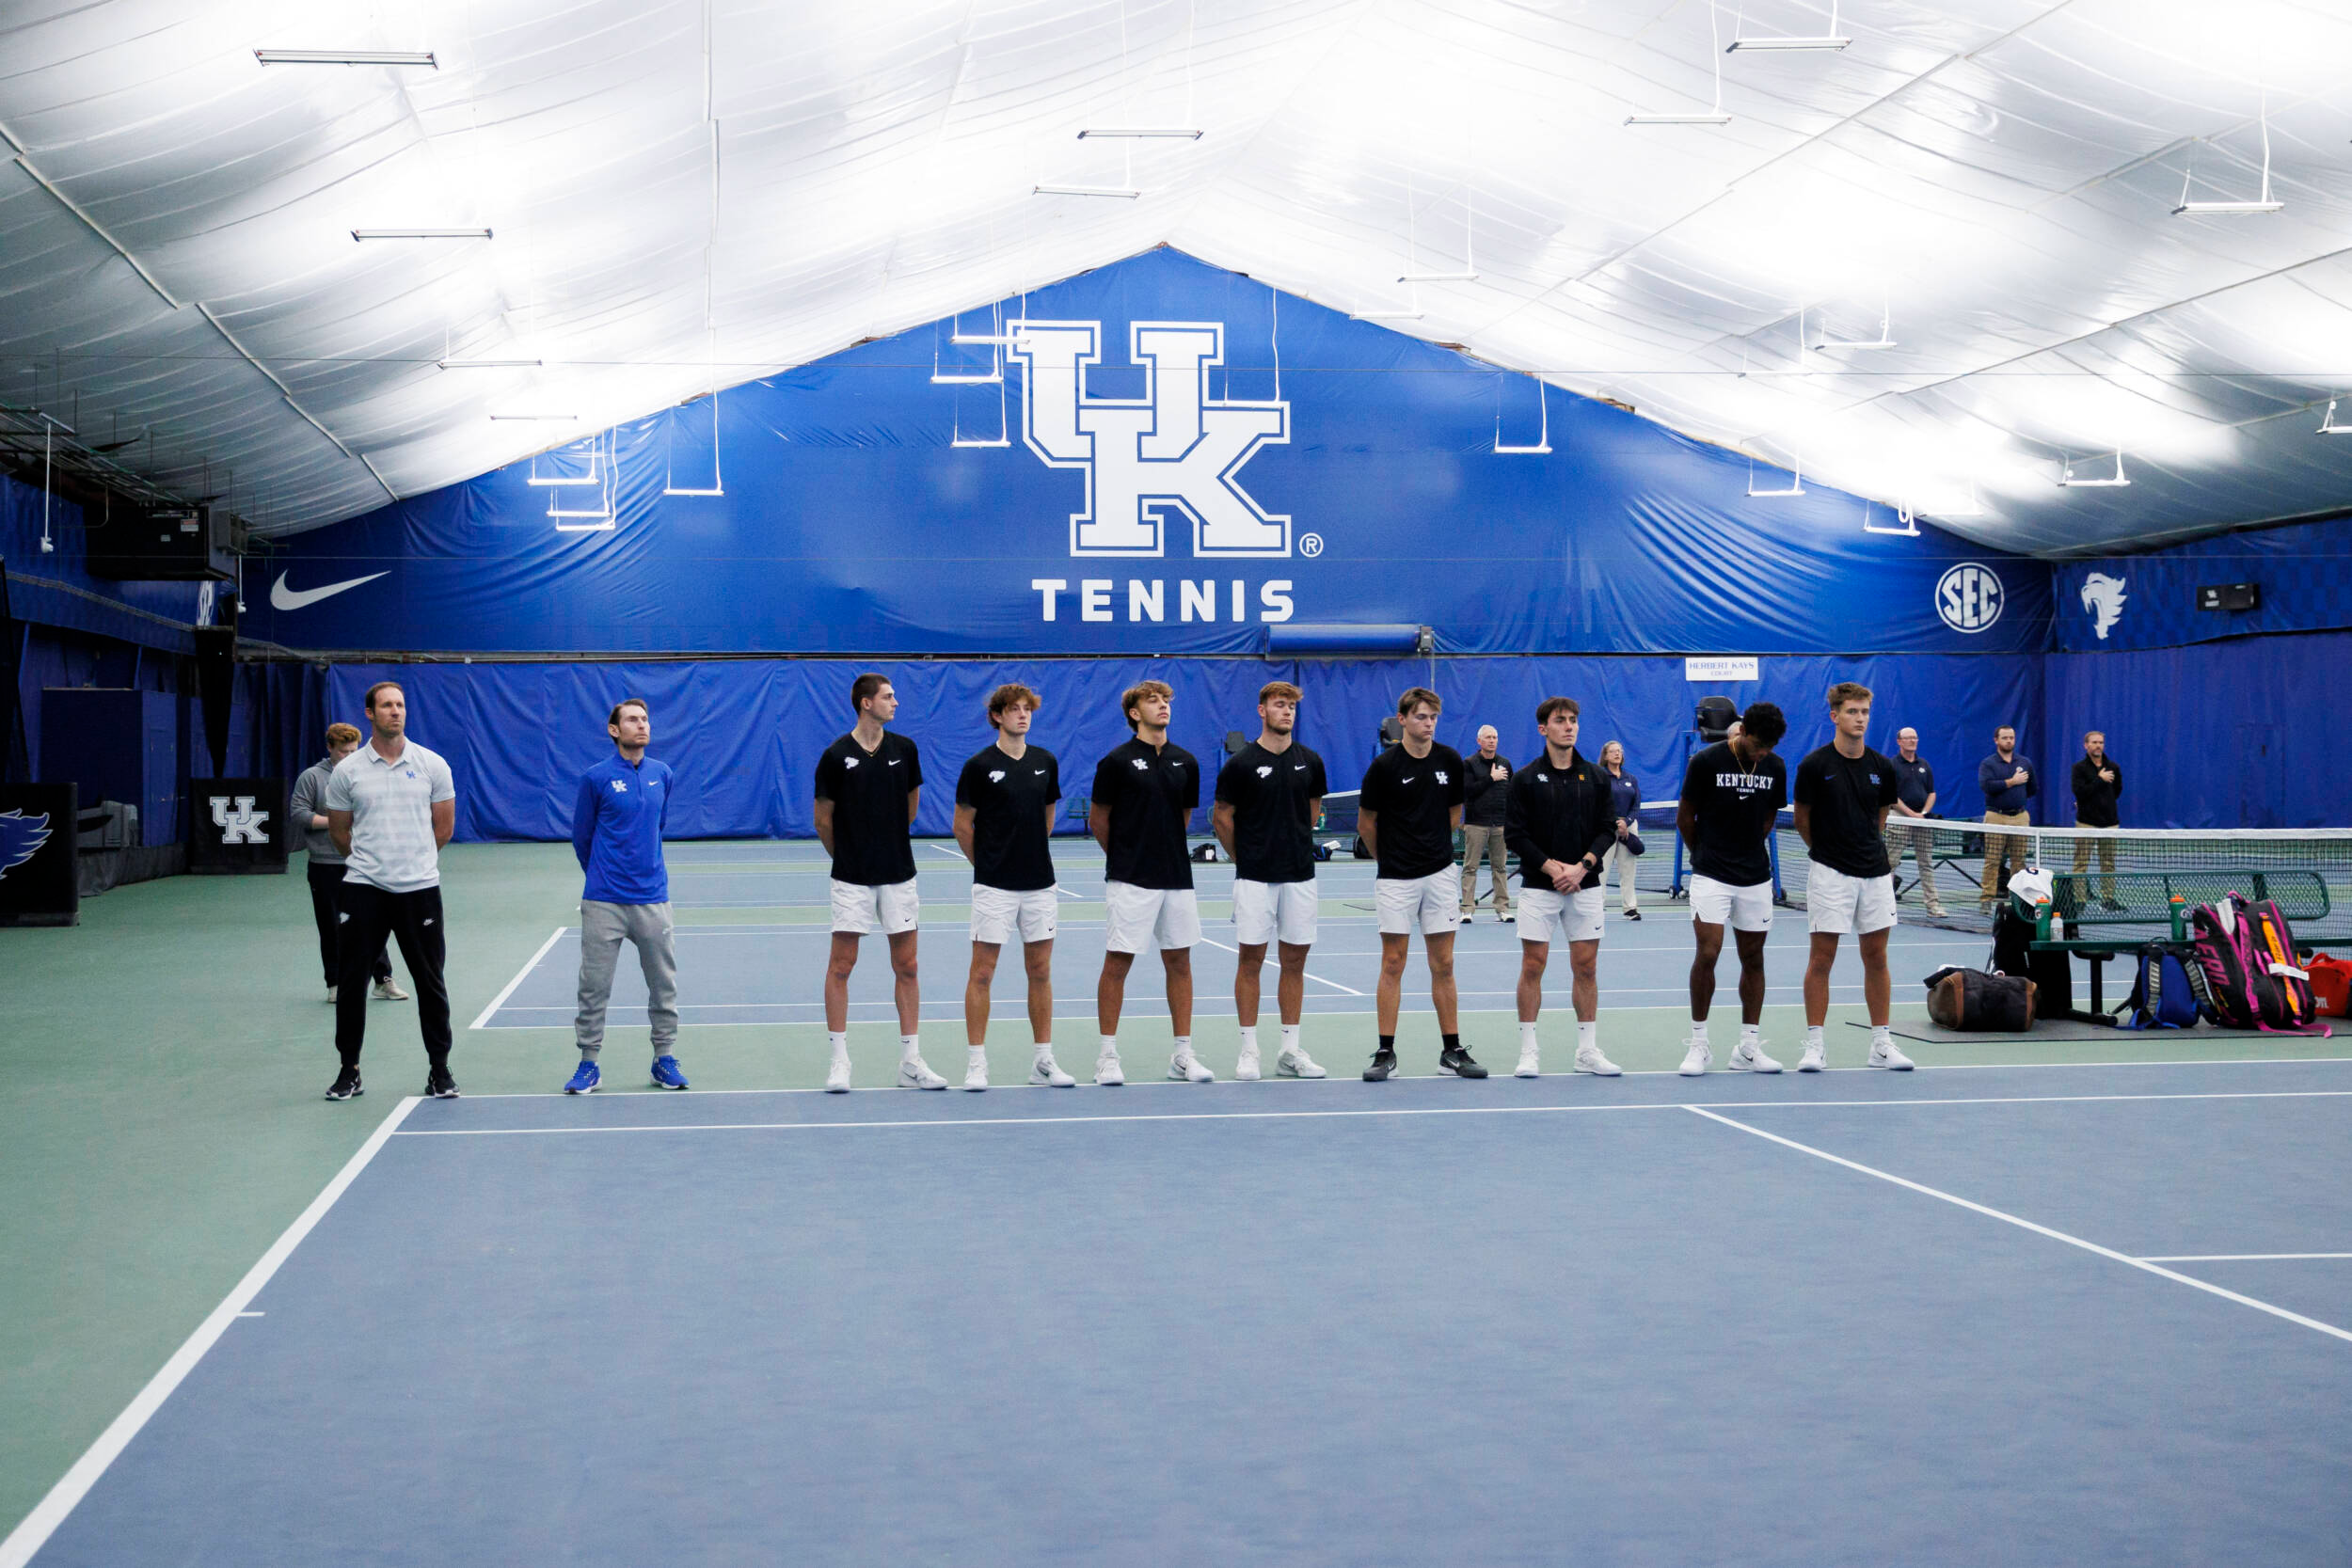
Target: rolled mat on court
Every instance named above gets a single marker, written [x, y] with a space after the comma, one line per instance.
[2064, 1029]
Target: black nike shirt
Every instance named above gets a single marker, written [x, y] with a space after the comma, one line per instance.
[1011, 845]
[1272, 796]
[1414, 800]
[1150, 792]
[1846, 794]
[1737, 806]
[868, 792]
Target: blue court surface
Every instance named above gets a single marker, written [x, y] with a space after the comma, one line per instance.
[2014, 1315]
[773, 972]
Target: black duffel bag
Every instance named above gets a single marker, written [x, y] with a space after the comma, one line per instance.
[1979, 1000]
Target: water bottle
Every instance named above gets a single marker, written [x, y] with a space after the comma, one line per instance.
[2058, 927]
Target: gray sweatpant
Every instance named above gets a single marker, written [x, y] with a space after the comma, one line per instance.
[602, 929]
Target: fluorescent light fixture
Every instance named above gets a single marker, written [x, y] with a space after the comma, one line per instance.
[1881, 340]
[347, 57]
[1001, 339]
[1437, 278]
[1717, 117]
[490, 364]
[1386, 316]
[1153, 133]
[1715, 114]
[608, 526]
[1735, 46]
[420, 234]
[529, 418]
[2067, 477]
[1796, 480]
[2328, 425]
[1122, 191]
[2225, 209]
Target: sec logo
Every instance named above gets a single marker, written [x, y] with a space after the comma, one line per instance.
[1969, 597]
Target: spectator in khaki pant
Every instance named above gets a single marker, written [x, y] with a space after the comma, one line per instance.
[1625, 801]
[2098, 784]
[2009, 781]
[1906, 825]
[1483, 799]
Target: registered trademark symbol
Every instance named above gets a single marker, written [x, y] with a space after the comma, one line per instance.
[1311, 545]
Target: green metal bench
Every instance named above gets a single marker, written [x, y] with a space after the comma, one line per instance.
[2163, 898]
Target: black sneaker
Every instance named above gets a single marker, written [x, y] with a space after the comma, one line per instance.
[346, 1086]
[1457, 1061]
[1633, 914]
[439, 1084]
[2111, 904]
[1383, 1063]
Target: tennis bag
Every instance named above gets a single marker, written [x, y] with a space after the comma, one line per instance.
[2331, 986]
[2246, 953]
[1980, 1001]
[2166, 994]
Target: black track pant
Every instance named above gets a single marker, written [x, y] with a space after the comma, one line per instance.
[414, 920]
[326, 883]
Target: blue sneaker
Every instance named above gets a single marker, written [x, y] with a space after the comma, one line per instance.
[666, 1076]
[585, 1078]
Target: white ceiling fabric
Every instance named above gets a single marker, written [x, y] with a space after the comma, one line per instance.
[701, 192]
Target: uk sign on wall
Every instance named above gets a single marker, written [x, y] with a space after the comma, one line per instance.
[1160, 456]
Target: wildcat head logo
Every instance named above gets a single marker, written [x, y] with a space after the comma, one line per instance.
[1265, 772]
[21, 838]
[2104, 596]
[997, 775]
[1173, 451]
[241, 825]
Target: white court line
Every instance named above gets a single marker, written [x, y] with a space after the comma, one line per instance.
[2109, 1253]
[1316, 978]
[1397, 1111]
[2241, 1256]
[38, 1526]
[481, 1019]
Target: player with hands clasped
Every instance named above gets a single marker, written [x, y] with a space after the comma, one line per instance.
[1561, 821]
[1268, 796]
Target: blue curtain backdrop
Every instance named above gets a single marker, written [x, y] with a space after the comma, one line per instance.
[744, 735]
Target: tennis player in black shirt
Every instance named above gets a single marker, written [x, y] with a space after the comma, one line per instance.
[1561, 821]
[868, 786]
[1844, 791]
[1411, 803]
[1268, 794]
[1144, 794]
[1005, 801]
[1731, 799]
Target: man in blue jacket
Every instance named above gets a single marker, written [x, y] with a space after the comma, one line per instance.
[616, 831]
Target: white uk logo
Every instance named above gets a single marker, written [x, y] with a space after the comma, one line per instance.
[997, 775]
[242, 825]
[1266, 772]
[1174, 450]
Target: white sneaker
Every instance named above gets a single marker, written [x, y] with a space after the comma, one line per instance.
[1187, 1068]
[837, 1079]
[1589, 1059]
[1530, 1063]
[1046, 1074]
[1245, 1070]
[1106, 1072]
[1813, 1060]
[1890, 1058]
[387, 990]
[975, 1076]
[1750, 1058]
[1695, 1060]
[915, 1073]
[1295, 1063]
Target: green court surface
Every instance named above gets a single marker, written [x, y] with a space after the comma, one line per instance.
[161, 1122]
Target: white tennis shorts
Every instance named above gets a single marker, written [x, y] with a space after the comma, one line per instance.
[1146, 917]
[1267, 912]
[1838, 903]
[1547, 915]
[890, 907]
[1743, 909]
[999, 913]
[1434, 903]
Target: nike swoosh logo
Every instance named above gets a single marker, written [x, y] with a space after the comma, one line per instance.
[1408, 778]
[283, 598]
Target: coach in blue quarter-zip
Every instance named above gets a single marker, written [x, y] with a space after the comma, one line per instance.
[617, 820]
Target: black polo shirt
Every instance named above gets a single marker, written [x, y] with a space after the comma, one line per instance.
[1150, 792]
[1846, 794]
[1414, 798]
[868, 792]
[1559, 813]
[1010, 796]
[1272, 796]
[1737, 807]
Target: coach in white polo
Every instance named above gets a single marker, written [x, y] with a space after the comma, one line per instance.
[390, 806]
